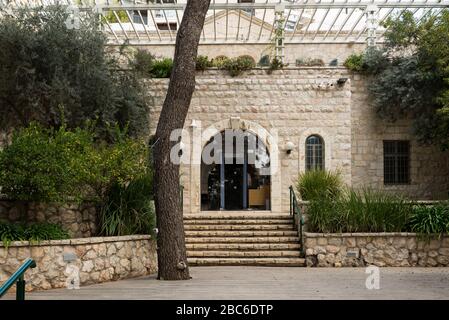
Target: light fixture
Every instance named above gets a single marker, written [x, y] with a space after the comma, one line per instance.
[289, 146]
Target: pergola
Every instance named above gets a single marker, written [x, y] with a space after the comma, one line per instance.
[280, 22]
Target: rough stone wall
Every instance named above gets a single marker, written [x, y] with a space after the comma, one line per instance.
[97, 259]
[429, 166]
[294, 103]
[79, 220]
[379, 249]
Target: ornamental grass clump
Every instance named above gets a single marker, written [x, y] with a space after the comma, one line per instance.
[320, 184]
[430, 220]
[34, 232]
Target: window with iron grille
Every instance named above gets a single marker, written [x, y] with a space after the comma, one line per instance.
[314, 153]
[396, 162]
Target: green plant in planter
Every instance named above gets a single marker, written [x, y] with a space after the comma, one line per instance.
[236, 66]
[35, 232]
[162, 68]
[320, 184]
[220, 61]
[354, 62]
[129, 209]
[275, 64]
[430, 220]
[246, 62]
[203, 63]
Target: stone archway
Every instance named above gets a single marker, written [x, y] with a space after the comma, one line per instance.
[202, 137]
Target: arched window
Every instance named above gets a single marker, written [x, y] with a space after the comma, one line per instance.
[314, 153]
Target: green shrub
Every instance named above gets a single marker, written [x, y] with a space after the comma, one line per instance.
[111, 18]
[275, 64]
[129, 209]
[220, 61]
[58, 165]
[162, 68]
[363, 210]
[430, 220]
[354, 62]
[45, 164]
[203, 63]
[236, 66]
[34, 232]
[246, 62]
[319, 184]
[143, 62]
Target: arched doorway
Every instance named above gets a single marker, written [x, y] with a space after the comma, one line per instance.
[235, 172]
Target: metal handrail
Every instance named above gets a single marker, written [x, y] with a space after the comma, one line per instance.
[295, 210]
[17, 278]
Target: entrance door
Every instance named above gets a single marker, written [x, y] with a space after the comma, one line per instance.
[233, 186]
[237, 179]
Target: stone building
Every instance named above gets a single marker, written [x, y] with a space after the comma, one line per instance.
[321, 116]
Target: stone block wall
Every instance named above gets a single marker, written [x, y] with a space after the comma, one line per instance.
[96, 259]
[292, 103]
[379, 249]
[79, 220]
[429, 166]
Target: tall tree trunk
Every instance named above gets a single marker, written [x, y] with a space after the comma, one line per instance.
[172, 256]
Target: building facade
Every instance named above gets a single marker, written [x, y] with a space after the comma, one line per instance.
[307, 117]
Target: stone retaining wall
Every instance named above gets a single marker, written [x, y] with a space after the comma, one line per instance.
[79, 220]
[380, 249]
[97, 260]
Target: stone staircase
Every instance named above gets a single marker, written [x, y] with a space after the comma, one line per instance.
[254, 239]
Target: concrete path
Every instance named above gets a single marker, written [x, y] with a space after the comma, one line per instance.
[270, 283]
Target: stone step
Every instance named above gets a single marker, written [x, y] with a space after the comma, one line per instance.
[197, 227]
[245, 254]
[239, 216]
[286, 262]
[241, 233]
[278, 239]
[242, 246]
[237, 221]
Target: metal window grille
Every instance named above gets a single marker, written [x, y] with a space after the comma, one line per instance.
[396, 162]
[314, 153]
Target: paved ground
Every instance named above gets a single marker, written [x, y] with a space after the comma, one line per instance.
[271, 283]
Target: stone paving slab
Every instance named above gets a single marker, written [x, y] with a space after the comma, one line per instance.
[269, 283]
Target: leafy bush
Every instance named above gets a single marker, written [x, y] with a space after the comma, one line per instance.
[220, 61]
[236, 66]
[143, 62]
[129, 209]
[121, 14]
[309, 62]
[34, 232]
[162, 68]
[354, 62]
[320, 184]
[247, 62]
[46, 67]
[364, 210]
[275, 64]
[45, 164]
[430, 220]
[202, 63]
[409, 76]
[57, 165]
